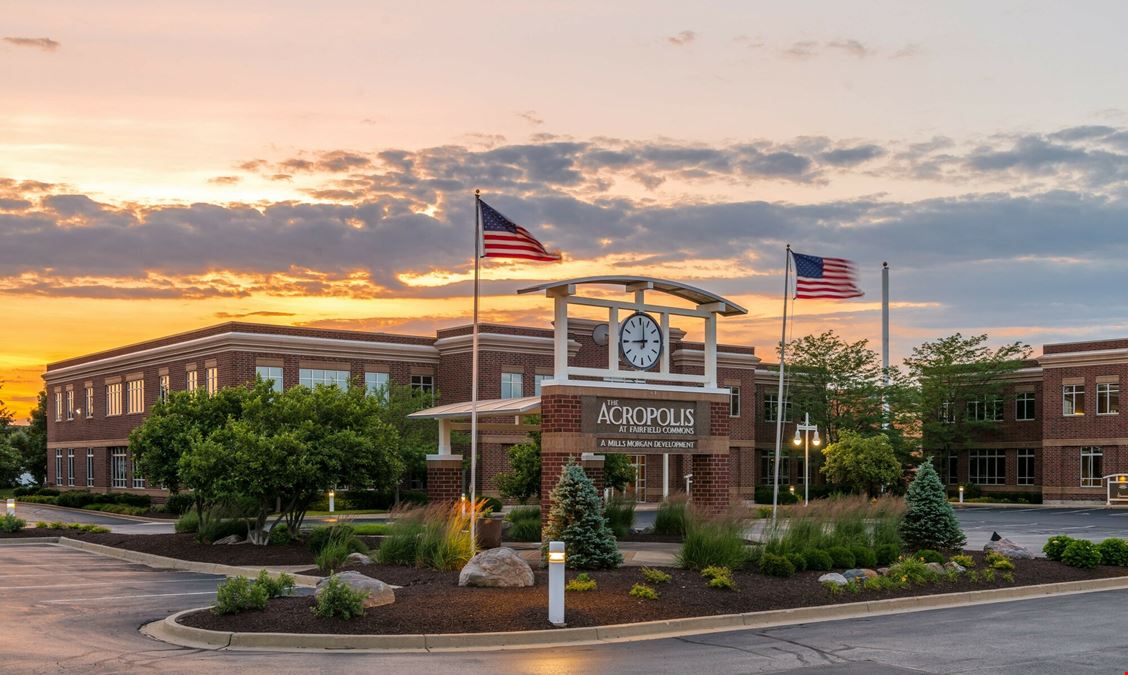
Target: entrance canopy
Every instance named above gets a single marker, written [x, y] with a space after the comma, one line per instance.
[493, 407]
[697, 296]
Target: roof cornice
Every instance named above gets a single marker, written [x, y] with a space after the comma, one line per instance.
[1098, 357]
[522, 344]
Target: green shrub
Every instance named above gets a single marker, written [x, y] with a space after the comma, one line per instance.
[998, 561]
[340, 601]
[1081, 553]
[581, 583]
[25, 491]
[331, 557]
[10, 524]
[670, 520]
[1114, 552]
[335, 546]
[82, 527]
[841, 556]
[708, 542]
[444, 541]
[318, 538]
[774, 565]
[864, 556]
[275, 587]
[930, 521]
[963, 560]
[643, 592]
[885, 554]
[188, 523]
[74, 499]
[928, 555]
[1055, 546]
[38, 499]
[371, 529]
[398, 548]
[763, 495]
[911, 570]
[179, 503]
[576, 518]
[818, 560]
[279, 535]
[719, 577]
[218, 528]
[525, 524]
[620, 513]
[714, 571]
[239, 594]
[655, 576]
[798, 560]
[47, 492]
[124, 509]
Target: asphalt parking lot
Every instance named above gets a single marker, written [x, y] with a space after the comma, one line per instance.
[1031, 527]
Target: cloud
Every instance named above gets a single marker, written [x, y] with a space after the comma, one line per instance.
[907, 52]
[224, 180]
[44, 44]
[682, 39]
[852, 47]
[531, 117]
[803, 50]
[244, 315]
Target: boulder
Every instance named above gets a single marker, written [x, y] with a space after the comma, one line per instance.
[379, 593]
[496, 567]
[833, 578]
[883, 571]
[954, 567]
[357, 559]
[935, 567]
[855, 574]
[1008, 548]
[229, 539]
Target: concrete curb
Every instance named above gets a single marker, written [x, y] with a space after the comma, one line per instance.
[123, 516]
[162, 562]
[169, 630]
[28, 540]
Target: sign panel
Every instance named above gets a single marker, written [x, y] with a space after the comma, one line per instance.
[636, 425]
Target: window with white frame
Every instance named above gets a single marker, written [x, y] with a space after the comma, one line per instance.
[70, 405]
[1108, 398]
[117, 467]
[512, 385]
[771, 407]
[70, 467]
[734, 401]
[271, 374]
[986, 409]
[90, 401]
[987, 467]
[90, 467]
[767, 471]
[58, 406]
[953, 468]
[799, 472]
[423, 383]
[138, 479]
[1092, 461]
[947, 412]
[311, 377]
[136, 401]
[1073, 400]
[639, 464]
[191, 380]
[1025, 467]
[376, 384]
[1024, 407]
[58, 466]
[163, 387]
[113, 399]
[538, 380]
[211, 380]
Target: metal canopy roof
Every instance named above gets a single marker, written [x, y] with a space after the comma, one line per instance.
[489, 408]
[690, 293]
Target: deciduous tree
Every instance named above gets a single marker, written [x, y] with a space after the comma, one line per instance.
[862, 463]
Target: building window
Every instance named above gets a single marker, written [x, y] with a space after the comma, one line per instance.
[311, 377]
[272, 374]
[70, 467]
[771, 406]
[163, 387]
[1108, 399]
[90, 401]
[70, 405]
[639, 464]
[90, 467]
[947, 413]
[1026, 467]
[423, 383]
[113, 399]
[136, 402]
[953, 468]
[799, 472]
[376, 384]
[512, 385]
[987, 467]
[211, 380]
[537, 381]
[58, 467]
[767, 462]
[1024, 407]
[138, 479]
[1073, 400]
[58, 406]
[734, 401]
[117, 467]
[191, 380]
[1091, 466]
[987, 409]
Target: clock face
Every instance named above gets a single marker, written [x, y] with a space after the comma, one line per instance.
[640, 341]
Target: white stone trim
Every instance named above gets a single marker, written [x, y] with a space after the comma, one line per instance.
[696, 357]
[521, 344]
[1097, 357]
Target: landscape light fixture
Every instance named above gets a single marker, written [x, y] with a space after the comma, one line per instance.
[556, 583]
[961, 494]
[332, 501]
[11, 507]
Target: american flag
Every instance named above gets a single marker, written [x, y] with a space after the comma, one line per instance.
[817, 277]
[502, 238]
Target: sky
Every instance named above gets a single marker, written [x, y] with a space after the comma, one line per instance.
[165, 166]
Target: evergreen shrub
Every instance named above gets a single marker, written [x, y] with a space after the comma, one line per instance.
[773, 565]
[930, 521]
[841, 557]
[818, 560]
[576, 518]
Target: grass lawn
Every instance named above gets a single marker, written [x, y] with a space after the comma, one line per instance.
[348, 512]
[6, 492]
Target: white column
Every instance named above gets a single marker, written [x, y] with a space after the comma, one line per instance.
[444, 437]
[665, 476]
[665, 360]
[560, 363]
[711, 351]
[613, 340]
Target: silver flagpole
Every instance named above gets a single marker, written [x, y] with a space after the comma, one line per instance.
[781, 405]
[885, 344]
[474, 373]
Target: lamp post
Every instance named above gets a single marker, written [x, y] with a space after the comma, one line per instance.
[556, 583]
[806, 427]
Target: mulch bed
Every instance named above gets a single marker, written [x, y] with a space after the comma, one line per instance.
[185, 547]
[432, 602]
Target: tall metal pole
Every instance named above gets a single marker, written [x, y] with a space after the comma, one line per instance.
[885, 344]
[781, 405]
[474, 373]
[806, 465]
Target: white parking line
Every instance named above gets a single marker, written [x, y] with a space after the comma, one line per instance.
[125, 597]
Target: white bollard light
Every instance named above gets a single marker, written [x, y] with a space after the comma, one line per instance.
[11, 507]
[961, 494]
[556, 583]
[332, 501]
